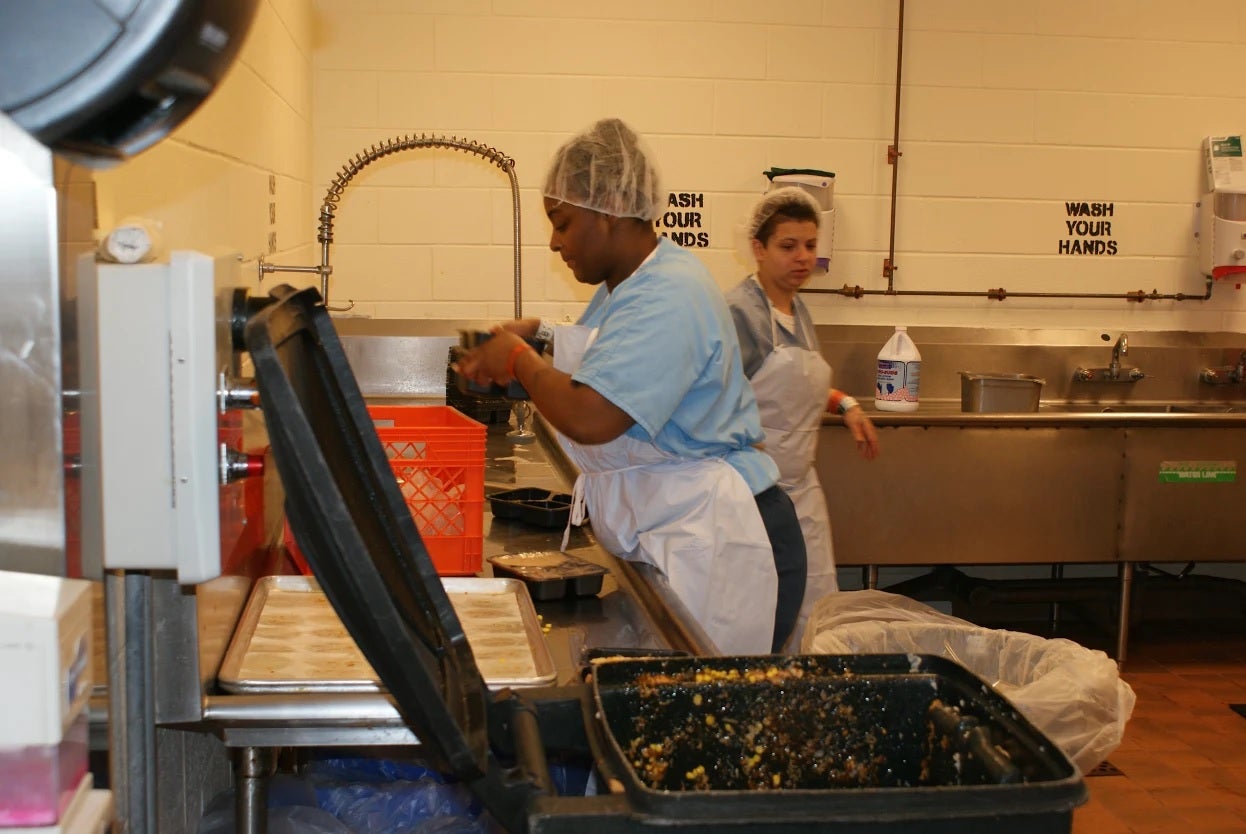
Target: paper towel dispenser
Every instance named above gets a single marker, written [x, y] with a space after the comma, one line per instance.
[1222, 210]
[101, 80]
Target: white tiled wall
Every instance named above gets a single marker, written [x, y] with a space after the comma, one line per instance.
[75, 218]
[1009, 110]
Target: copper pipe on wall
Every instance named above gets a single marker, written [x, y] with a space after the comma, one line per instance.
[1001, 294]
[893, 157]
[996, 293]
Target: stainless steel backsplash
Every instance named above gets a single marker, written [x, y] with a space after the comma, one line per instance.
[407, 358]
[1171, 360]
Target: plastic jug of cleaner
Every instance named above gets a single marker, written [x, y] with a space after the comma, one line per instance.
[899, 372]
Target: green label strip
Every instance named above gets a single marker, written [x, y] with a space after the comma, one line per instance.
[1198, 471]
[1227, 146]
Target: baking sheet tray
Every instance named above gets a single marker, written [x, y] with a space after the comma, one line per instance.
[291, 640]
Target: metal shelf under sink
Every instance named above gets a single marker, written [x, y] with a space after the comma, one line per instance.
[1141, 408]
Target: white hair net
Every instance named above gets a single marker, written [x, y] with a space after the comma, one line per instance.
[605, 169]
[776, 201]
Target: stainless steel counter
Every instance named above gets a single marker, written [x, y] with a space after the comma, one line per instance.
[1074, 483]
[1152, 413]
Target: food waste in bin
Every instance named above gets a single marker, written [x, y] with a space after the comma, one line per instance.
[805, 723]
[878, 739]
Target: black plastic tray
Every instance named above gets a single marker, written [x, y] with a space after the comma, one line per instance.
[532, 505]
[911, 741]
[591, 655]
[551, 575]
[492, 411]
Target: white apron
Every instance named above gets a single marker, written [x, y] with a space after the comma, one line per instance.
[696, 520]
[791, 388]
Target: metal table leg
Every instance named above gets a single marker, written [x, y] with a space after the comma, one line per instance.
[869, 576]
[131, 701]
[1057, 573]
[1122, 629]
[252, 767]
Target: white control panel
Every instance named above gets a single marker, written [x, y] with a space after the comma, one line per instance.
[150, 364]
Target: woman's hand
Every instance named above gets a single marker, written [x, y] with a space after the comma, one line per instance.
[523, 328]
[492, 361]
[575, 410]
[863, 431]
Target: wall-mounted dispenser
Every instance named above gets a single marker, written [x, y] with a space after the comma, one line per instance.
[1222, 211]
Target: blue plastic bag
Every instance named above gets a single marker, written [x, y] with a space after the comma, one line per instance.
[361, 796]
[383, 796]
[363, 769]
[291, 810]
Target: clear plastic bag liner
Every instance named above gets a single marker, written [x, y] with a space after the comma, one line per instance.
[1073, 694]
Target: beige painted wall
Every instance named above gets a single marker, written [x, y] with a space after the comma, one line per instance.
[1009, 110]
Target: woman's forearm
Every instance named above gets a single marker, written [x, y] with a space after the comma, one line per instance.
[575, 410]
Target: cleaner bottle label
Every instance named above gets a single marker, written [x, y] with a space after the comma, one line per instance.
[897, 380]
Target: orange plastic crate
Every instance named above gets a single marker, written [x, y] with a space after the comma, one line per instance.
[438, 458]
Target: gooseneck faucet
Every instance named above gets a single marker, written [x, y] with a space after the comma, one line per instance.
[369, 155]
[1114, 372]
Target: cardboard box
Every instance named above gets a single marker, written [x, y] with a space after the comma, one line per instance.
[45, 651]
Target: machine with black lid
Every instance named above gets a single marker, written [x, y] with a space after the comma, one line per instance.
[774, 743]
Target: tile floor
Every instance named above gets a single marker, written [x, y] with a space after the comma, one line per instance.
[1183, 758]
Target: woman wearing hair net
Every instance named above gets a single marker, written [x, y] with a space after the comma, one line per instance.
[790, 379]
[650, 400]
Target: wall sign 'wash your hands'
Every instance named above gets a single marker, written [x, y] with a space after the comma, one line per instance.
[1088, 229]
[684, 220]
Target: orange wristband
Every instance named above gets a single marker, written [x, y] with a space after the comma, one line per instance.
[513, 357]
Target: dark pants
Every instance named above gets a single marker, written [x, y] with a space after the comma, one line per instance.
[788, 543]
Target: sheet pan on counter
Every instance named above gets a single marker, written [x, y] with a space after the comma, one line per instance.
[290, 639]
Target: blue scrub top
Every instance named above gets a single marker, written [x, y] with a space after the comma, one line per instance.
[666, 353]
